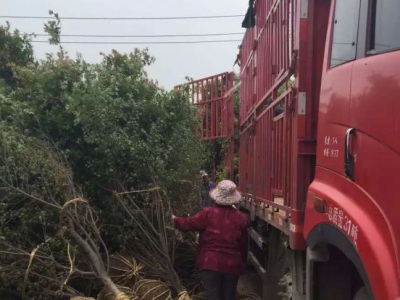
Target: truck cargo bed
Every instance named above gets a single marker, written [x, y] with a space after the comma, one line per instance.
[280, 68]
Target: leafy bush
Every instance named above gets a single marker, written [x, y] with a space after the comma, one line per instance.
[102, 127]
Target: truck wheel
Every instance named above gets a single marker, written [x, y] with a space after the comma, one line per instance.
[279, 286]
[363, 294]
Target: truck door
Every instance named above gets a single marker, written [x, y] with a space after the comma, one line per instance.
[375, 112]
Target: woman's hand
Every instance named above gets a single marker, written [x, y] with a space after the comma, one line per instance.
[173, 217]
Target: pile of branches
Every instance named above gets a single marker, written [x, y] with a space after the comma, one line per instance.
[54, 242]
[145, 268]
[165, 254]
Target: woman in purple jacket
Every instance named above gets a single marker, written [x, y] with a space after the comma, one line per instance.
[222, 251]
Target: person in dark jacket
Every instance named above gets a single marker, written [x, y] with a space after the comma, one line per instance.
[222, 251]
[206, 187]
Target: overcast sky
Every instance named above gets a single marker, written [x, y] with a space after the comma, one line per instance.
[173, 62]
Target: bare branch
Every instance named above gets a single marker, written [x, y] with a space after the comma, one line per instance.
[71, 269]
[96, 260]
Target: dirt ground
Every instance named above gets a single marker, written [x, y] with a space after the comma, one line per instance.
[250, 283]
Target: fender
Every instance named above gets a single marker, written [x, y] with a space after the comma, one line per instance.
[354, 223]
[331, 235]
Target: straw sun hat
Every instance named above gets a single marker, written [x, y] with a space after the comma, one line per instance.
[226, 193]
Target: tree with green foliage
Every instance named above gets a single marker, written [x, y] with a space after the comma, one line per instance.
[15, 50]
[113, 123]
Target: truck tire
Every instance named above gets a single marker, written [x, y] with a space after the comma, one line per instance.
[279, 277]
[363, 294]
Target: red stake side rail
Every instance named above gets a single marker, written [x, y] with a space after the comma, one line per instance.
[214, 100]
[277, 145]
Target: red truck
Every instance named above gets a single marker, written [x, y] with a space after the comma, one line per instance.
[319, 130]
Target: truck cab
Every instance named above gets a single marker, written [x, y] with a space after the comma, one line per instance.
[358, 145]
